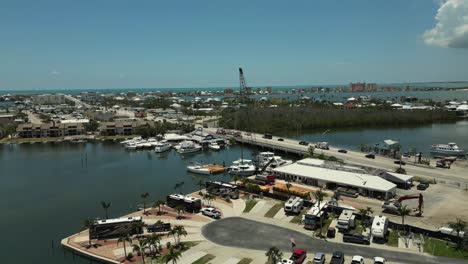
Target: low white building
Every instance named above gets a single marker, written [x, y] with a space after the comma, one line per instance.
[311, 174]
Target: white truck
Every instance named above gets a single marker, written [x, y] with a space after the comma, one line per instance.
[379, 227]
[346, 220]
[293, 205]
[322, 145]
[211, 212]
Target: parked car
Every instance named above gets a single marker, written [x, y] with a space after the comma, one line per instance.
[337, 258]
[298, 256]
[331, 232]
[280, 139]
[399, 162]
[303, 143]
[356, 238]
[370, 156]
[159, 227]
[357, 260]
[319, 258]
[286, 261]
[422, 186]
[211, 212]
[379, 260]
[342, 151]
[268, 136]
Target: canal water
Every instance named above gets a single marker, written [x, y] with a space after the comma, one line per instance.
[47, 190]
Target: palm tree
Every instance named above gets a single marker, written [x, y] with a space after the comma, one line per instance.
[180, 210]
[144, 196]
[124, 237]
[288, 186]
[106, 206]
[180, 230]
[403, 211]
[459, 226]
[336, 197]
[201, 184]
[274, 255]
[172, 232]
[140, 249]
[158, 204]
[173, 255]
[87, 224]
[154, 241]
[235, 178]
[319, 196]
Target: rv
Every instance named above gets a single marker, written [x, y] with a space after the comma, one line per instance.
[322, 145]
[379, 227]
[312, 218]
[293, 205]
[345, 220]
[222, 189]
[113, 228]
[191, 204]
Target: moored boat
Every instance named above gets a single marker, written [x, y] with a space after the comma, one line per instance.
[450, 149]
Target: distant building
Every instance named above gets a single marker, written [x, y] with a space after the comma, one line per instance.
[120, 128]
[7, 118]
[51, 129]
[228, 91]
[387, 146]
[91, 97]
[357, 87]
[48, 99]
[269, 90]
[371, 87]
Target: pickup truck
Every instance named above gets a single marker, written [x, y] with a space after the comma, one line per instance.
[211, 212]
[356, 238]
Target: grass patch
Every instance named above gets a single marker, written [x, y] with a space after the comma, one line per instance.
[392, 239]
[358, 227]
[443, 248]
[274, 210]
[325, 224]
[249, 205]
[204, 259]
[189, 244]
[245, 261]
[298, 218]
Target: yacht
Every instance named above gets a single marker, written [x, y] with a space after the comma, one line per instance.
[242, 167]
[450, 149]
[214, 146]
[162, 146]
[131, 145]
[266, 157]
[198, 169]
[188, 147]
[133, 140]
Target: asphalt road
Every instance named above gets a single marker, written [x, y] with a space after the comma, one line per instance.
[244, 233]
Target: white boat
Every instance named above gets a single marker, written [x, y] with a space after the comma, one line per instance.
[162, 146]
[188, 147]
[132, 140]
[214, 146]
[264, 158]
[242, 167]
[450, 149]
[131, 145]
[198, 168]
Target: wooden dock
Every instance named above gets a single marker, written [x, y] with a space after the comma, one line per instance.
[214, 168]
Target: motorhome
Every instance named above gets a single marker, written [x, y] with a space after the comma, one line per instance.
[113, 228]
[379, 227]
[345, 220]
[191, 204]
[293, 205]
[312, 218]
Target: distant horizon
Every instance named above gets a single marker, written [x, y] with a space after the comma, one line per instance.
[234, 87]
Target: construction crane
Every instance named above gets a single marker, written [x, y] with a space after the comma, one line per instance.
[242, 86]
[396, 205]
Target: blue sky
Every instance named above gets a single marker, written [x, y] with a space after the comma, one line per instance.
[130, 44]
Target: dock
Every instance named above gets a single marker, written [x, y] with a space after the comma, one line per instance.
[214, 168]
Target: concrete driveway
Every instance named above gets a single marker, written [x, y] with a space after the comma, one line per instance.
[244, 233]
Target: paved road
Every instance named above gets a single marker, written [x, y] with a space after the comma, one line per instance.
[76, 101]
[353, 157]
[244, 233]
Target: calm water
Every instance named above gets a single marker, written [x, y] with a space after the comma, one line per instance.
[47, 190]
[421, 138]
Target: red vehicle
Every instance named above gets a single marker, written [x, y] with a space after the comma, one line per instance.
[299, 256]
[266, 179]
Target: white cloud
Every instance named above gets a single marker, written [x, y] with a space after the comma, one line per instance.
[451, 29]
[54, 72]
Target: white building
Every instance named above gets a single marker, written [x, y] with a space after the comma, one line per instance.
[365, 184]
[48, 99]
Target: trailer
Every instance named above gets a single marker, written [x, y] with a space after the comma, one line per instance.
[379, 227]
[293, 205]
[345, 220]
